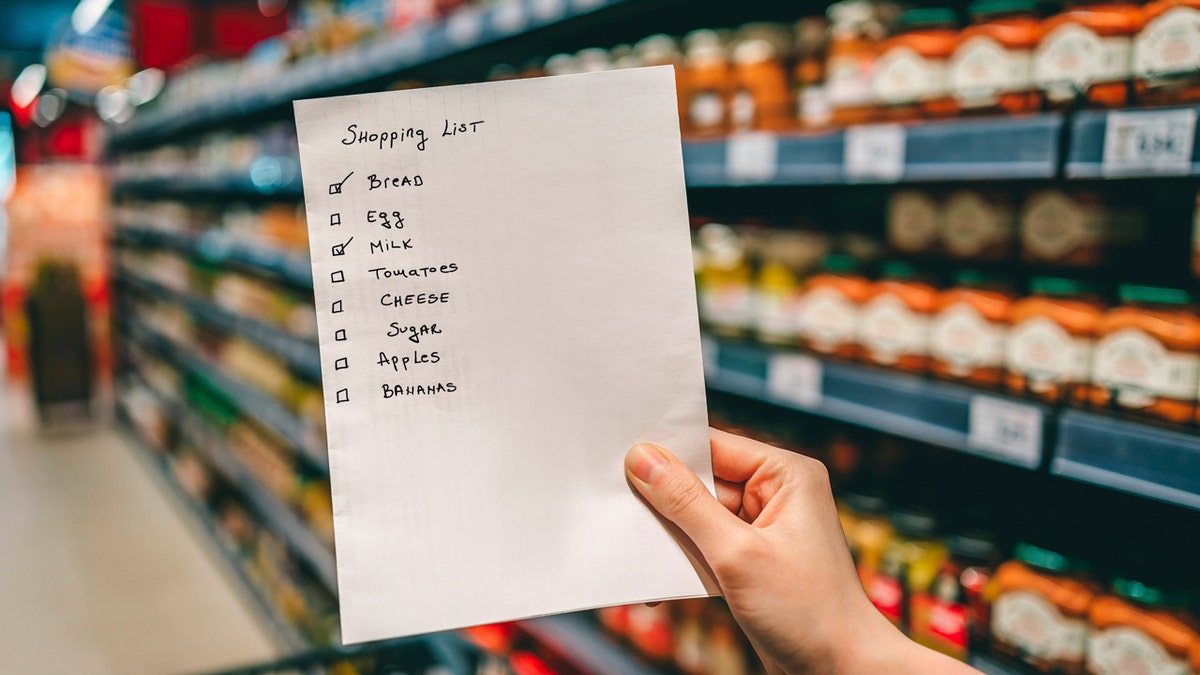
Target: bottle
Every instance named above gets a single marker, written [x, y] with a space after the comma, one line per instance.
[908, 565]
[1146, 354]
[991, 69]
[1166, 53]
[1086, 50]
[828, 316]
[761, 95]
[969, 329]
[725, 291]
[1039, 615]
[1140, 629]
[855, 31]
[868, 534]
[952, 616]
[893, 326]
[812, 97]
[706, 84]
[1049, 351]
[786, 258]
[910, 72]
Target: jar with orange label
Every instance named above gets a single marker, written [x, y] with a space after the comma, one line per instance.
[978, 224]
[991, 69]
[1086, 49]
[893, 325]
[1166, 52]
[1148, 354]
[1039, 610]
[706, 84]
[1049, 350]
[914, 221]
[812, 98]
[969, 329]
[761, 97]
[952, 616]
[908, 565]
[828, 313]
[855, 31]
[1079, 229]
[1140, 629]
[910, 72]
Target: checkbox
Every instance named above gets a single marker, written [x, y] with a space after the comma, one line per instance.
[343, 396]
[340, 335]
[336, 188]
[337, 277]
[337, 306]
[341, 364]
[335, 219]
[340, 249]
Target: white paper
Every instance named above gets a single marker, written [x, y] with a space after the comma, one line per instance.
[556, 221]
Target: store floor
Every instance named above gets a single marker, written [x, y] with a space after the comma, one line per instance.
[99, 571]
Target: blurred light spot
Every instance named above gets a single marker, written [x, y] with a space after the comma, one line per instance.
[28, 85]
[87, 14]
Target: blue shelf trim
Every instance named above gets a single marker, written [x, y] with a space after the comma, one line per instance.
[922, 409]
[354, 67]
[249, 400]
[1153, 462]
[218, 248]
[300, 354]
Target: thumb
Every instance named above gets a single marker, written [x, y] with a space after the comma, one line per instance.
[677, 493]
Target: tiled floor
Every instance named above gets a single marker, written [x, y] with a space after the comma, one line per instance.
[100, 572]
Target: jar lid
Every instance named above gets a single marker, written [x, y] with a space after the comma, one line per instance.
[984, 8]
[1154, 295]
[1046, 559]
[1148, 595]
[928, 17]
[914, 523]
[975, 545]
[864, 503]
[898, 269]
[1057, 286]
[839, 263]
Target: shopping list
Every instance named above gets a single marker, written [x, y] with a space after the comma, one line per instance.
[506, 304]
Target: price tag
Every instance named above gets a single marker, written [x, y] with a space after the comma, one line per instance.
[708, 350]
[1155, 142]
[509, 16]
[795, 378]
[464, 26]
[875, 153]
[1007, 428]
[751, 157]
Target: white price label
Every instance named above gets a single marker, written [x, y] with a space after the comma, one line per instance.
[1007, 428]
[708, 350]
[509, 16]
[464, 26]
[1155, 142]
[751, 157]
[875, 153]
[795, 378]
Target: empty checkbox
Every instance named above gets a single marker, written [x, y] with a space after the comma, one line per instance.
[337, 306]
[341, 364]
[343, 396]
[335, 219]
[340, 335]
[337, 277]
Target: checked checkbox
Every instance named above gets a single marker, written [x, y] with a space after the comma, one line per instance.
[340, 249]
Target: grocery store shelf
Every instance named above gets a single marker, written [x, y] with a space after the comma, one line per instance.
[300, 354]
[267, 177]
[463, 31]
[990, 666]
[1138, 458]
[252, 402]
[574, 638]
[218, 248]
[1146, 143]
[289, 638]
[931, 411]
[965, 149]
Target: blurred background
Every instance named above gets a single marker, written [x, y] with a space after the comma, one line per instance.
[948, 248]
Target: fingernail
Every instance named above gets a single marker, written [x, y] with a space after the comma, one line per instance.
[645, 461]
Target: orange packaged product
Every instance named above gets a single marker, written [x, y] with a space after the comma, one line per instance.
[893, 325]
[910, 72]
[855, 31]
[1194, 657]
[1166, 52]
[978, 224]
[969, 330]
[1039, 612]
[1140, 629]
[1086, 49]
[761, 98]
[1049, 350]
[991, 70]
[828, 312]
[812, 98]
[1147, 354]
[706, 84]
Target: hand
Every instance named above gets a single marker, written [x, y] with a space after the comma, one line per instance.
[774, 543]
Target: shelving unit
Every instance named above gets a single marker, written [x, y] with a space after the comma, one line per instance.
[218, 248]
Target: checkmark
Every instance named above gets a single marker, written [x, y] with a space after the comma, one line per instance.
[340, 249]
[336, 188]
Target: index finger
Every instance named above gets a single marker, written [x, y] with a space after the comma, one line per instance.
[736, 458]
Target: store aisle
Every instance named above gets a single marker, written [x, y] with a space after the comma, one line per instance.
[100, 572]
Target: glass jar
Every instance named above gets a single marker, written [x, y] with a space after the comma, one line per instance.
[1086, 50]
[706, 84]
[967, 336]
[725, 291]
[1079, 229]
[787, 257]
[1039, 615]
[1049, 349]
[1140, 629]
[952, 617]
[760, 96]
[868, 532]
[978, 224]
[828, 316]
[908, 564]
[910, 72]
[991, 70]
[914, 221]
[854, 34]
[812, 97]
[893, 326]
[1146, 354]
[1166, 52]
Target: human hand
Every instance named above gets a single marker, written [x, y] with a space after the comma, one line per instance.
[774, 543]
